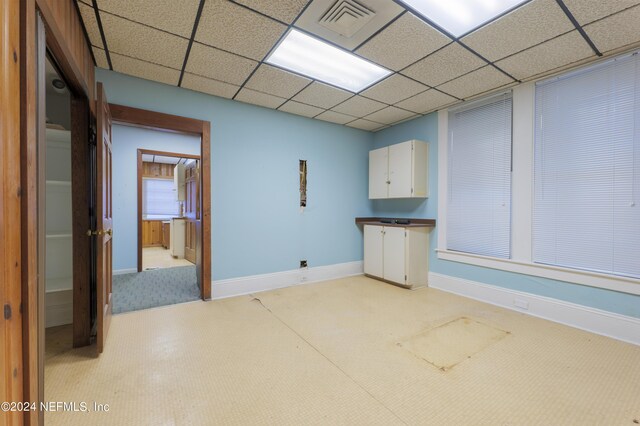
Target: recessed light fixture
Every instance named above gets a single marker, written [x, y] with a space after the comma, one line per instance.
[458, 17]
[321, 61]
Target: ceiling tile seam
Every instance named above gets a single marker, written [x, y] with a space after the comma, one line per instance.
[297, 93]
[535, 45]
[193, 35]
[487, 61]
[495, 18]
[282, 36]
[224, 50]
[102, 35]
[133, 21]
[384, 27]
[258, 12]
[144, 60]
[366, 119]
[84, 31]
[575, 22]
[394, 105]
[340, 103]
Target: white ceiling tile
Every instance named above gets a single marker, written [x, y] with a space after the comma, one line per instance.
[165, 159]
[300, 109]
[147, 157]
[145, 70]
[335, 117]
[358, 106]
[586, 11]
[228, 68]
[402, 43]
[209, 86]
[526, 26]
[91, 24]
[616, 31]
[322, 95]
[277, 82]
[476, 82]
[259, 98]
[283, 10]
[231, 27]
[426, 101]
[390, 115]
[101, 57]
[394, 89]
[447, 63]
[142, 42]
[365, 125]
[177, 17]
[553, 54]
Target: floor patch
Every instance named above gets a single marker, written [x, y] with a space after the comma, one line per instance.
[448, 345]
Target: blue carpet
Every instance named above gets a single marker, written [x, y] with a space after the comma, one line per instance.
[159, 287]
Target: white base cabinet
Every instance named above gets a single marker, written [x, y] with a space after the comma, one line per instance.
[399, 171]
[397, 254]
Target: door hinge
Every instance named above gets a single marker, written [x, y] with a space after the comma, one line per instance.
[93, 135]
[405, 278]
[412, 190]
[7, 311]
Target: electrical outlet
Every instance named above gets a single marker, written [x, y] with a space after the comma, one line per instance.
[303, 263]
[520, 303]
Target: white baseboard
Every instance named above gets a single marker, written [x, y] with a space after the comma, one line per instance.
[58, 308]
[597, 321]
[125, 271]
[255, 283]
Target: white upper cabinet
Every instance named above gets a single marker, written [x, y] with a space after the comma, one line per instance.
[399, 171]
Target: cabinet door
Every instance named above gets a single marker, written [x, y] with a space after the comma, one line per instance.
[378, 173]
[394, 254]
[373, 255]
[400, 170]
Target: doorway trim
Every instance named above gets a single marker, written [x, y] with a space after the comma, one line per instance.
[140, 173]
[153, 120]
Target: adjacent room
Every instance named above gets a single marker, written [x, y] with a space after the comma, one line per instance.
[293, 212]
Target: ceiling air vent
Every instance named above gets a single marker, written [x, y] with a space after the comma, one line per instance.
[346, 17]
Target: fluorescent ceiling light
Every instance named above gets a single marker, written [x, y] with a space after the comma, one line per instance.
[321, 61]
[458, 17]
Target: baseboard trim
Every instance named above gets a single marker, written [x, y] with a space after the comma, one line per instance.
[58, 308]
[125, 271]
[221, 289]
[616, 326]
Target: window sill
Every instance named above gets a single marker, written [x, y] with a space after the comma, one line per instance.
[591, 279]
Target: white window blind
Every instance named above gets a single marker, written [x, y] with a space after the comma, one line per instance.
[159, 198]
[587, 169]
[479, 178]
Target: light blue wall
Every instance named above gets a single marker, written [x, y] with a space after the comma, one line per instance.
[257, 226]
[426, 129]
[126, 142]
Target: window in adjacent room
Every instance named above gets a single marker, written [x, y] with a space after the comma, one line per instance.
[159, 198]
[479, 178]
[587, 169]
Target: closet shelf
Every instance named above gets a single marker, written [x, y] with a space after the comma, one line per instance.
[59, 183]
[58, 236]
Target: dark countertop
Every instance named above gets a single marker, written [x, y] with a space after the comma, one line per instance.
[413, 223]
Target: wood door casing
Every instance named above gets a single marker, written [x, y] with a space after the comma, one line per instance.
[192, 210]
[104, 226]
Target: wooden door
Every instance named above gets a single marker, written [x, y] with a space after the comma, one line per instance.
[373, 255]
[394, 254]
[400, 170]
[104, 218]
[378, 173]
[191, 210]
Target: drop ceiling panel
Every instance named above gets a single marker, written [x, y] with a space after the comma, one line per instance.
[207, 85]
[553, 54]
[146, 70]
[176, 17]
[358, 106]
[403, 42]
[165, 160]
[228, 68]
[366, 125]
[282, 10]
[259, 98]
[390, 115]
[300, 109]
[526, 26]
[91, 24]
[426, 101]
[233, 28]
[335, 117]
[476, 82]
[446, 64]
[147, 157]
[616, 31]
[586, 11]
[394, 89]
[377, 12]
[277, 82]
[101, 58]
[142, 42]
[322, 95]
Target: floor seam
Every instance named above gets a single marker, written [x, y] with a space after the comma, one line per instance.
[328, 359]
